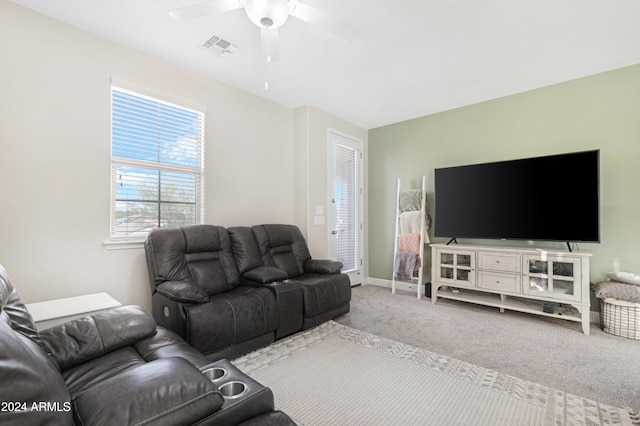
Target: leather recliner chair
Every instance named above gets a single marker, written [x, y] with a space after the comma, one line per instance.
[114, 368]
[276, 252]
[197, 292]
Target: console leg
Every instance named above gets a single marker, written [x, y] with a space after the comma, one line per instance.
[585, 315]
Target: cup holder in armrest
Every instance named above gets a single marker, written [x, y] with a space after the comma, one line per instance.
[215, 373]
[232, 389]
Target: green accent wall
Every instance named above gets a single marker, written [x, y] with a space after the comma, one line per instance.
[596, 112]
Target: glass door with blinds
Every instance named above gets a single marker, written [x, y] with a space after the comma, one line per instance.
[345, 223]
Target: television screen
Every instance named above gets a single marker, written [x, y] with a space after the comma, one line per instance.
[551, 198]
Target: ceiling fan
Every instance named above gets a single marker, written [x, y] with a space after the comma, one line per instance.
[269, 15]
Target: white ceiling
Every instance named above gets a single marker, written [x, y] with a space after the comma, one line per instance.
[411, 57]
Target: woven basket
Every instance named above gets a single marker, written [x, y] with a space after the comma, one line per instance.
[620, 318]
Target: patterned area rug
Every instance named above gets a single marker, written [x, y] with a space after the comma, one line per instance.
[336, 375]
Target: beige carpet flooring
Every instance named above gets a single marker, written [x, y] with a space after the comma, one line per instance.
[548, 351]
[336, 375]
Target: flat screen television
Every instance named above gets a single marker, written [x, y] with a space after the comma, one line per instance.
[551, 198]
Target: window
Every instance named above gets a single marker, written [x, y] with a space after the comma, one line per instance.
[156, 164]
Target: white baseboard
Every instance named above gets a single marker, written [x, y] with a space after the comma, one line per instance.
[413, 287]
[377, 281]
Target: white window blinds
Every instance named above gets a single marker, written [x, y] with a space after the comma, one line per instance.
[347, 214]
[156, 164]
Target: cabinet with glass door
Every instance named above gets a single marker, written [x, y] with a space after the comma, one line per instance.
[555, 277]
[456, 268]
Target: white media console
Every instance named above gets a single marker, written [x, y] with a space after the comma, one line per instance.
[552, 283]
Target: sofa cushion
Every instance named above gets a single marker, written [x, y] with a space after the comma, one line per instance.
[24, 368]
[169, 391]
[164, 249]
[210, 258]
[245, 248]
[198, 254]
[323, 293]
[249, 260]
[86, 338]
[282, 246]
[284, 259]
[208, 272]
[12, 310]
[165, 344]
[230, 318]
[85, 375]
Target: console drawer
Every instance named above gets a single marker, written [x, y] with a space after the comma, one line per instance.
[507, 262]
[498, 281]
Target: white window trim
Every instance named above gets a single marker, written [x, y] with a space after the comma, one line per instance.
[155, 94]
[124, 242]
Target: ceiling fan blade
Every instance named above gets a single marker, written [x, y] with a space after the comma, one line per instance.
[269, 40]
[206, 8]
[323, 20]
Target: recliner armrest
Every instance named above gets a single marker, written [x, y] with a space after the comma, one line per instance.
[323, 266]
[265, 274]
[90, 337]
[180, 291]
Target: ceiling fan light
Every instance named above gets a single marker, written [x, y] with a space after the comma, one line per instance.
[269, 14]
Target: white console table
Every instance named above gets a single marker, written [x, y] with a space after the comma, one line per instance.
[53, 312]
[528, 280]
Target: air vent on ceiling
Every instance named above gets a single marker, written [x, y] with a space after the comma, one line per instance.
[220, 46]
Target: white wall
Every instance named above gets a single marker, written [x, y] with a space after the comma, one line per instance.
[310, 153]
[55, 156]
